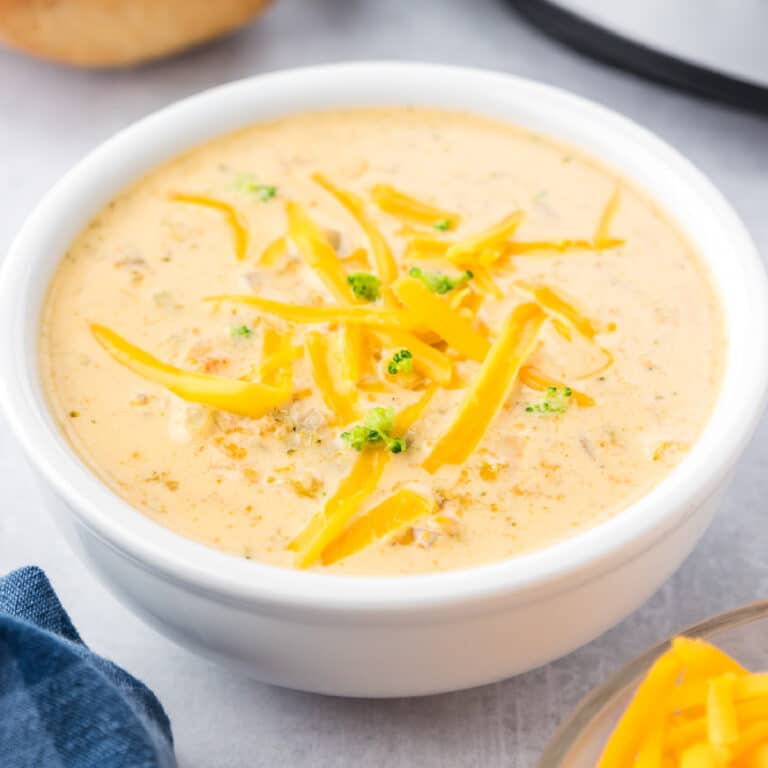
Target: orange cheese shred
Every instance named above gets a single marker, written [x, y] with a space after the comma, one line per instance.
[485, 282]
[230, 214]
[602, 232]
[352, 491]
[281, 361]
[535, 379]
[756, 758]
[463, 251]
[651, 749]
[359, 258]
[387, 517]
[562, 330]
[752, 711]
[466, 298]
[278, 355]
[327, 313]
[317, 252]
[701, 756]
[751, 739]
[608, 361]
[430, 310]
[426, 247]
[355, 352]
[458, 298]
[403, 206]
[697, 708]
[703, 660]
[325, 362]
[490, 388]
[376, 385]
[382, 254]
[521, 248]
[625, 740]
[243, 397]
[722, 720]
[427, 360]
[492, 256]
[554, 304]
[752, 686]
[408, 416]
[273, 252]
[272, 344]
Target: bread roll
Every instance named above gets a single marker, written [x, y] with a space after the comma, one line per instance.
[114, 33]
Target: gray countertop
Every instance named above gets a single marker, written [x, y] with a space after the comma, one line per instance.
[49, 117]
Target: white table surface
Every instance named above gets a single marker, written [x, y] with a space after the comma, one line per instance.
[49, 117]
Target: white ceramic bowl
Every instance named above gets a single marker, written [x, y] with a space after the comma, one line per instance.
[387, 636]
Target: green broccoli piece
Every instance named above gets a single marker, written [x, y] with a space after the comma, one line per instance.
[364, 285]
[437, 282]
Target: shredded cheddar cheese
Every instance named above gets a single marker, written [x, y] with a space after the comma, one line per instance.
[280, 362]
[274, 251]
[466, 298]
[490, 388]
[560, 246]
[278, 355]
[352, 492]
[435, 313]
[535, 379]
[408, 416]
[340, 399]
[272, 345]
[356, 352]
[317, 252]
[239, 396]
[416, 319]
[562, 329]
[554, 304]
[382, 254]
[463, 251]
[403, 206]
[230, 214]
[392, 514]
[486, 283]
[426, 247]
[427, 360]
[320, 255]
[602, 232]
[722, 720]
[413, 316]
[696, 708]
[385, 285]
[607, 363]
[329, 313]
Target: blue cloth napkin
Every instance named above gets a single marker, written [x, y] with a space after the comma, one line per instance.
[61, 705]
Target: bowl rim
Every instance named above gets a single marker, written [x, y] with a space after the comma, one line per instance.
[167, 132]
[593, 702]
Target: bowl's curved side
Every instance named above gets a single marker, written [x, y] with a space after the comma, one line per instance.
[387, 654]
[679, 187]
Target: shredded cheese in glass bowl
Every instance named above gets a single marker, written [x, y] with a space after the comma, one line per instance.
[695, 702]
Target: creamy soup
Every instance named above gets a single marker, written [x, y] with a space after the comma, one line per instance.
[381, 341]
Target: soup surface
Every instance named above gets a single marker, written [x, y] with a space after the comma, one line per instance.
[381, 341]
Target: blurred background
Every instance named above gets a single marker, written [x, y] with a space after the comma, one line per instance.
[51, 115]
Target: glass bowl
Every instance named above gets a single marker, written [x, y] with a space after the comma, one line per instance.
[579, 741]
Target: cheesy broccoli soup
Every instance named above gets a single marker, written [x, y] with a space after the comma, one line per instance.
[381, 341]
